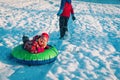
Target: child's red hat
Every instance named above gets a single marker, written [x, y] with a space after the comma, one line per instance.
[45, 35]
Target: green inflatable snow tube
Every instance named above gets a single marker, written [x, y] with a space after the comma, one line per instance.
[23, 56]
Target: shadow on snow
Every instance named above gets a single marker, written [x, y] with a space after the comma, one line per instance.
[103, 1]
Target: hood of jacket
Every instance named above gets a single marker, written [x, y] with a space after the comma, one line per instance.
[69, 1]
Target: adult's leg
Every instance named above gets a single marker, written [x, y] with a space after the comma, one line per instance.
[63, 25]
[66, 24]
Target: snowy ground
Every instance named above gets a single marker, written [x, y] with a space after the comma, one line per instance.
[92, 53]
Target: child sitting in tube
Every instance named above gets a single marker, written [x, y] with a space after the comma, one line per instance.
[37, 44]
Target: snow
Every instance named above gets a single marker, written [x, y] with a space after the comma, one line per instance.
[92, 52]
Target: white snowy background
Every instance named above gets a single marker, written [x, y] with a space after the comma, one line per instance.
[92, 52]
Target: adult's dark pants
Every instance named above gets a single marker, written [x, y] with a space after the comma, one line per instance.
[63, 22]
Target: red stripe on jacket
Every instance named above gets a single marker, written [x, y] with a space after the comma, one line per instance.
[67, 10]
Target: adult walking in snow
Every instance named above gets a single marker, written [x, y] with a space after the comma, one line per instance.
[64, 12]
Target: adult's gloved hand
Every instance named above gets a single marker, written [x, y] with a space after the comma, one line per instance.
[59, 12]
[73, 17]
